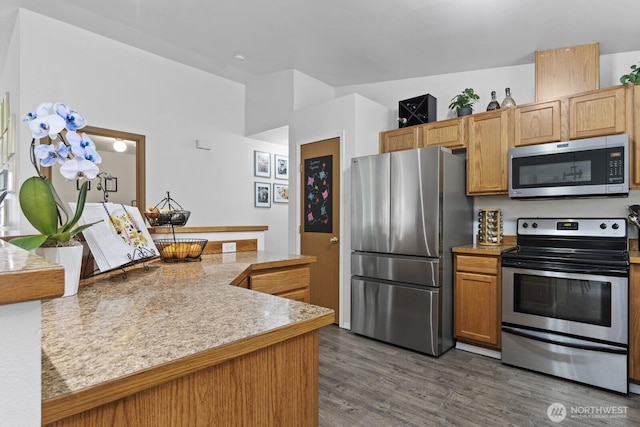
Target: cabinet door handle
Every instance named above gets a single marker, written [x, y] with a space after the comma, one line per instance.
[334, 240]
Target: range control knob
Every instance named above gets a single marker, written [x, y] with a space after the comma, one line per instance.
[525, 225]
[534, 225]
[615, 226]
[603, 226]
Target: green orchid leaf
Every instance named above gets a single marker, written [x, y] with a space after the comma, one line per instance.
[61, 205]
[38, 205]
[54, 239]
[29, 243]
[82, 227]
[82, 197]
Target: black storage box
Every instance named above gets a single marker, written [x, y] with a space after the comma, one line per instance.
[418, 110]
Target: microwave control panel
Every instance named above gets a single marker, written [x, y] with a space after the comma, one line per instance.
[616, 165]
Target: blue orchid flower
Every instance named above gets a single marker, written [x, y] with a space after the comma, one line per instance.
[83, 146]
[49, 125]
[73, 119]
[41, 111]
[48, 153]
[79, 168]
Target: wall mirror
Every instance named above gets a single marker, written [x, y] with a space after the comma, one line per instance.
[126, 169]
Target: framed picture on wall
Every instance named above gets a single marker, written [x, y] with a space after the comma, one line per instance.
[262, 195]
[111, 185]
[262, 164]
[280, 193]
[79, 185]
[281, 166]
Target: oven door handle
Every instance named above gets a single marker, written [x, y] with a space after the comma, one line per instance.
[567, 341]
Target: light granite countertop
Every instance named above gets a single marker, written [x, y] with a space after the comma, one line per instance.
[27, 277]
[114, 328]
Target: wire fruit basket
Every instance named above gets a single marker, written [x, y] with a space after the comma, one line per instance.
[167, 213]
[180, 250]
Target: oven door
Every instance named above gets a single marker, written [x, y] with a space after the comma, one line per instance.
[581, 305]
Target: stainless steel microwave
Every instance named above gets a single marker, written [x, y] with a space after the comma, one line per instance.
[580, 168]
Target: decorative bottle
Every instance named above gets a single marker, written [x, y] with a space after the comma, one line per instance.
[508, 100]
[493, 105]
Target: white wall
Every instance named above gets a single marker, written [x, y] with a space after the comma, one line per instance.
[357, 121]
[116, 86]
[20, 364]
[271, 99]
[521, 80]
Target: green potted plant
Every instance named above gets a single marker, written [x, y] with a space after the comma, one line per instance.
[633, 77]
[463, 102]
[40, 202]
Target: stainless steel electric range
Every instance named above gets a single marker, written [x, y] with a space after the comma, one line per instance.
[565, 300]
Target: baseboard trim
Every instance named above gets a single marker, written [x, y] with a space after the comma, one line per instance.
[634, 388]
[478, 350]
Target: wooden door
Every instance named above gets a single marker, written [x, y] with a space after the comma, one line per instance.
[320, 219]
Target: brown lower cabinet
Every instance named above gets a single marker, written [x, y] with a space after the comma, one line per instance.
[288, 282]
[477, 297]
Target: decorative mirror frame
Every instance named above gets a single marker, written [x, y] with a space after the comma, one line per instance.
[141, 186]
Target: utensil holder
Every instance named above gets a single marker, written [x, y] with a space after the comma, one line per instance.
[490, 227]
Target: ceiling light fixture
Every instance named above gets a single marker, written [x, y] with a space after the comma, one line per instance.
[239, 56]
[119, 145]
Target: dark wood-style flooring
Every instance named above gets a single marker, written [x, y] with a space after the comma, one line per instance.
[364, 382]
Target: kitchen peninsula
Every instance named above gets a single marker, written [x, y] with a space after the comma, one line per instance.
[178, 345]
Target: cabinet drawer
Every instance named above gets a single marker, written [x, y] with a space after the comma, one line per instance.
[477, 264]
[278, 281]
[301, 295]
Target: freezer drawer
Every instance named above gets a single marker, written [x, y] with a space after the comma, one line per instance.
[397, 314]
[417, 271]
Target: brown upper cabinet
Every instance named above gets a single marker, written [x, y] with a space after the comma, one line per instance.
[598, 113]
[449, 133]
[489, 135]
[399, 139]
[567, 70]
[537, 123]
[487, 152]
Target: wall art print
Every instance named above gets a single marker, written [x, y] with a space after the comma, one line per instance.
[282, 166]
[318, 195]
[262, 195]
[262, 164]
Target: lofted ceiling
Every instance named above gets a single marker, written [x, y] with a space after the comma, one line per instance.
[345, 42]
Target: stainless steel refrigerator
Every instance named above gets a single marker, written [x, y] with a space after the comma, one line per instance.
[408, 209]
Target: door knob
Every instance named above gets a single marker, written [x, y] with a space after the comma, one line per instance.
[334, 240]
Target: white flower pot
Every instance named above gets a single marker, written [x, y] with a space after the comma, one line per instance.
[70, 257]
